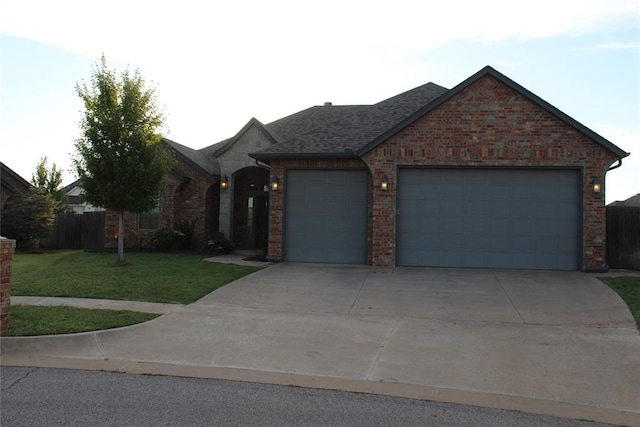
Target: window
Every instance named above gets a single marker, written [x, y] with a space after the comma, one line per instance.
[149, 220]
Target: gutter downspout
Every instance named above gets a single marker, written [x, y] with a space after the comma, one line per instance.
[605, 267]
[616, 166]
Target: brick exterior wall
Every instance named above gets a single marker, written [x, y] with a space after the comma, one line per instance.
[276, 198]
[7, 248]
[488, 124]
[182, 201]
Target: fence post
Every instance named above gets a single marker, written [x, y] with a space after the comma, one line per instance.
[7, 248]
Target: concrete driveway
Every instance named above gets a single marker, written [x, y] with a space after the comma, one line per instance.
[506, 296]
[555, 343]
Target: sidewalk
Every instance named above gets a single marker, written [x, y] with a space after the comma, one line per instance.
[108, 304]
[143, 307]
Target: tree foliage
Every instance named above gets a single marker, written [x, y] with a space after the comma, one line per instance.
[120, 161]
[49, 181]
[29, 217]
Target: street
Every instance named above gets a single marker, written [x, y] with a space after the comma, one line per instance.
[52, 397]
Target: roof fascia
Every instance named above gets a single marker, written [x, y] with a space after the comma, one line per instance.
[266, 157]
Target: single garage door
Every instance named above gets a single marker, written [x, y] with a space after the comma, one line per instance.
[492, 218]
[326, 216]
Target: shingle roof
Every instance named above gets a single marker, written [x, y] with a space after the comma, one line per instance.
[353, 130]
[343, 130]
[207, 165]
[311, 120]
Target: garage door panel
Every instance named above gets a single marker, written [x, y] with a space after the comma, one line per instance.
[524, 219]
[326, 216]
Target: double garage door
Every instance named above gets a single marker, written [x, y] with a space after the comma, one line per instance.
[486, 218]
[495, 218]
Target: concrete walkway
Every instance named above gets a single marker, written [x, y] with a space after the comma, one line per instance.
[555, 343]
[105, 304]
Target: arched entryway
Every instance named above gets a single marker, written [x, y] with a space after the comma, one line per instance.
[251, 208]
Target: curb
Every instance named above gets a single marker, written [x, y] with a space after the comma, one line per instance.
[411, 391]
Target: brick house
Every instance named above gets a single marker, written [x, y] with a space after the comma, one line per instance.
[191, 195]
[486, 174]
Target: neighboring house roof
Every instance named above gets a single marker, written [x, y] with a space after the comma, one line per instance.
[71, 186]
[208, 166]
[631, 201]
[74, 199]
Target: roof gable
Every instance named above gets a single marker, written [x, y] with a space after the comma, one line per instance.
[489, 71]
[196, 159]
[225, 145]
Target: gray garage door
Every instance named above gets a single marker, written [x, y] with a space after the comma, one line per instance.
[495, 218]
[326, 216]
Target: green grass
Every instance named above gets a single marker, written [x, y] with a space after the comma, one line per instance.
[154, 277]
[48, 320]
[629, 289]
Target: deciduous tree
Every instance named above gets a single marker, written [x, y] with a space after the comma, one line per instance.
[120, 161]
[49, 181]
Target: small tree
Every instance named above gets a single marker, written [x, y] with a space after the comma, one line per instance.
[30, 218]
[120, 161]
[49, 181]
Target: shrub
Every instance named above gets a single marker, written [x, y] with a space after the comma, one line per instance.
[186, 227]
[218, 244]
[168, 239]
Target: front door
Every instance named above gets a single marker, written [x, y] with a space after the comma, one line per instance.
[251, 208]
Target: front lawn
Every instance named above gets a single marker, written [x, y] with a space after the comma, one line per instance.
[629, 289]
[47, 320]
[155, 277]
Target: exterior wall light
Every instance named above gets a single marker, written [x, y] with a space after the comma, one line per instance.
[596, 185]
[384, 184]
[275, 183]
[224, 182]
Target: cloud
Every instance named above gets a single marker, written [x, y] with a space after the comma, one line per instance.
[151, 30]
[614, 46]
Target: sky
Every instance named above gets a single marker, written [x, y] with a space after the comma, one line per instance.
[217, 64]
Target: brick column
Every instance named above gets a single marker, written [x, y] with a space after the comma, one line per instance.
[7, 248]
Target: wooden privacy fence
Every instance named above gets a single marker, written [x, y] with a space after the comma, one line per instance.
[93, 231]
[623, 237]
[68, 233]
[75, 231]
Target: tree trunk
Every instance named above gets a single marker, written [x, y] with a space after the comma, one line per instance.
[121, 238]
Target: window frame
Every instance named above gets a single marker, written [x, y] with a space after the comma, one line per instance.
[146, 219]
